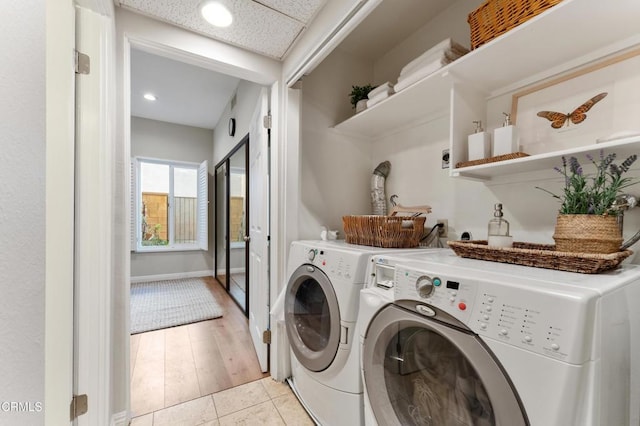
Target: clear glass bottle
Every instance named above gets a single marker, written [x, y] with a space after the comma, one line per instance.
[498, 233]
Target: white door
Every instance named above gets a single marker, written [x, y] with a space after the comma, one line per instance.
[93, 219]
[259, 229]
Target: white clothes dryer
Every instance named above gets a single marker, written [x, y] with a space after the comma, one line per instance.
[471, 342]
[321, 309]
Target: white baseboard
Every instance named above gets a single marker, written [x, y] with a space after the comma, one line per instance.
[232, 271]
[176, 276]
[120, 419]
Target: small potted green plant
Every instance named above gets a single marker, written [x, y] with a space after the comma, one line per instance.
[359, 93]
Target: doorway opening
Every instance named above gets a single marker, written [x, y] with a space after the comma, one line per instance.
[174, 365]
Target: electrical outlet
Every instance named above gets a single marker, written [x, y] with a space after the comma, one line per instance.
[444, 231]
[445, 158]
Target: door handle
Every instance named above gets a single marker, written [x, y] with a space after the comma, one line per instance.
[247, 238]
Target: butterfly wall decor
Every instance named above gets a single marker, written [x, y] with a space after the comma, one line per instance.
[578, 115]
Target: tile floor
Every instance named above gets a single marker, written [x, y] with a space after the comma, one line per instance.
[261, 402]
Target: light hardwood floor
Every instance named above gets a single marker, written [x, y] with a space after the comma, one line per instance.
[185, 363]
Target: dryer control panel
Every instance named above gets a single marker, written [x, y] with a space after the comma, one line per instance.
[513, 311]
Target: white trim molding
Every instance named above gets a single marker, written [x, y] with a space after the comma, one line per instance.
[93, 217]
[120, 419]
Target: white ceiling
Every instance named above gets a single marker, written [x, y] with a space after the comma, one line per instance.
[187, 94]
[195, 96]
[267, 27]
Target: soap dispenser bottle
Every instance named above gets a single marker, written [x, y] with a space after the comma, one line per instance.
[479, 143]
[505, 138]
[498, 235]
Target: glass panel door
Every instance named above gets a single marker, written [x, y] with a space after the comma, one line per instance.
[221, 224]
[238, 198]
[232, 206]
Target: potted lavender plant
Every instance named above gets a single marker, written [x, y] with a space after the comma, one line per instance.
[587, 219]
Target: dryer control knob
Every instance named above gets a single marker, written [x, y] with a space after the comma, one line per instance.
[311, 255]
[424, 286]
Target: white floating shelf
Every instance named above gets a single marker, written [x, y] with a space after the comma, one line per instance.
[621, 147]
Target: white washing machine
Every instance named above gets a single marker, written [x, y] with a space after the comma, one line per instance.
[470, 342]
[321, 309]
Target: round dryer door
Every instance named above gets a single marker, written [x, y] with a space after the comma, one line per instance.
[419, 371]
[312, 317]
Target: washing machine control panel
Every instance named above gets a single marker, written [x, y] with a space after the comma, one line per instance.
[451, 296]
[550, 324]
[513, 312]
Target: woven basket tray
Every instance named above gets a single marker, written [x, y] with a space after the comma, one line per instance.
[540, 256]
[496, 17]
[383, 231]
[495, 159]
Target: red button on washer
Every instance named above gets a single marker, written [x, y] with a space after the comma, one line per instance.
[462, 306]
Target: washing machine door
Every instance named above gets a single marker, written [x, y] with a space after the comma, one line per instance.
[312, 317]
[419, 371]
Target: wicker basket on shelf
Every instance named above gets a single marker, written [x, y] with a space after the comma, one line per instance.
[383, 231]
[496, 17]
[387, 231]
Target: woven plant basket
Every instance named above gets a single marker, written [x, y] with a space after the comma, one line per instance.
[587, 233]
[496, 17]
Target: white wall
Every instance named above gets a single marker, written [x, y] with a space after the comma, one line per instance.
[22, 207]
[247, 96]
[167, 141]
[246, 99]
[158, 139]
[335, 169]
[417, 178]
[451, 23]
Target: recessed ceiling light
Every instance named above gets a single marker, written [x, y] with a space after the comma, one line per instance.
[150, 96]
[216, 13]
